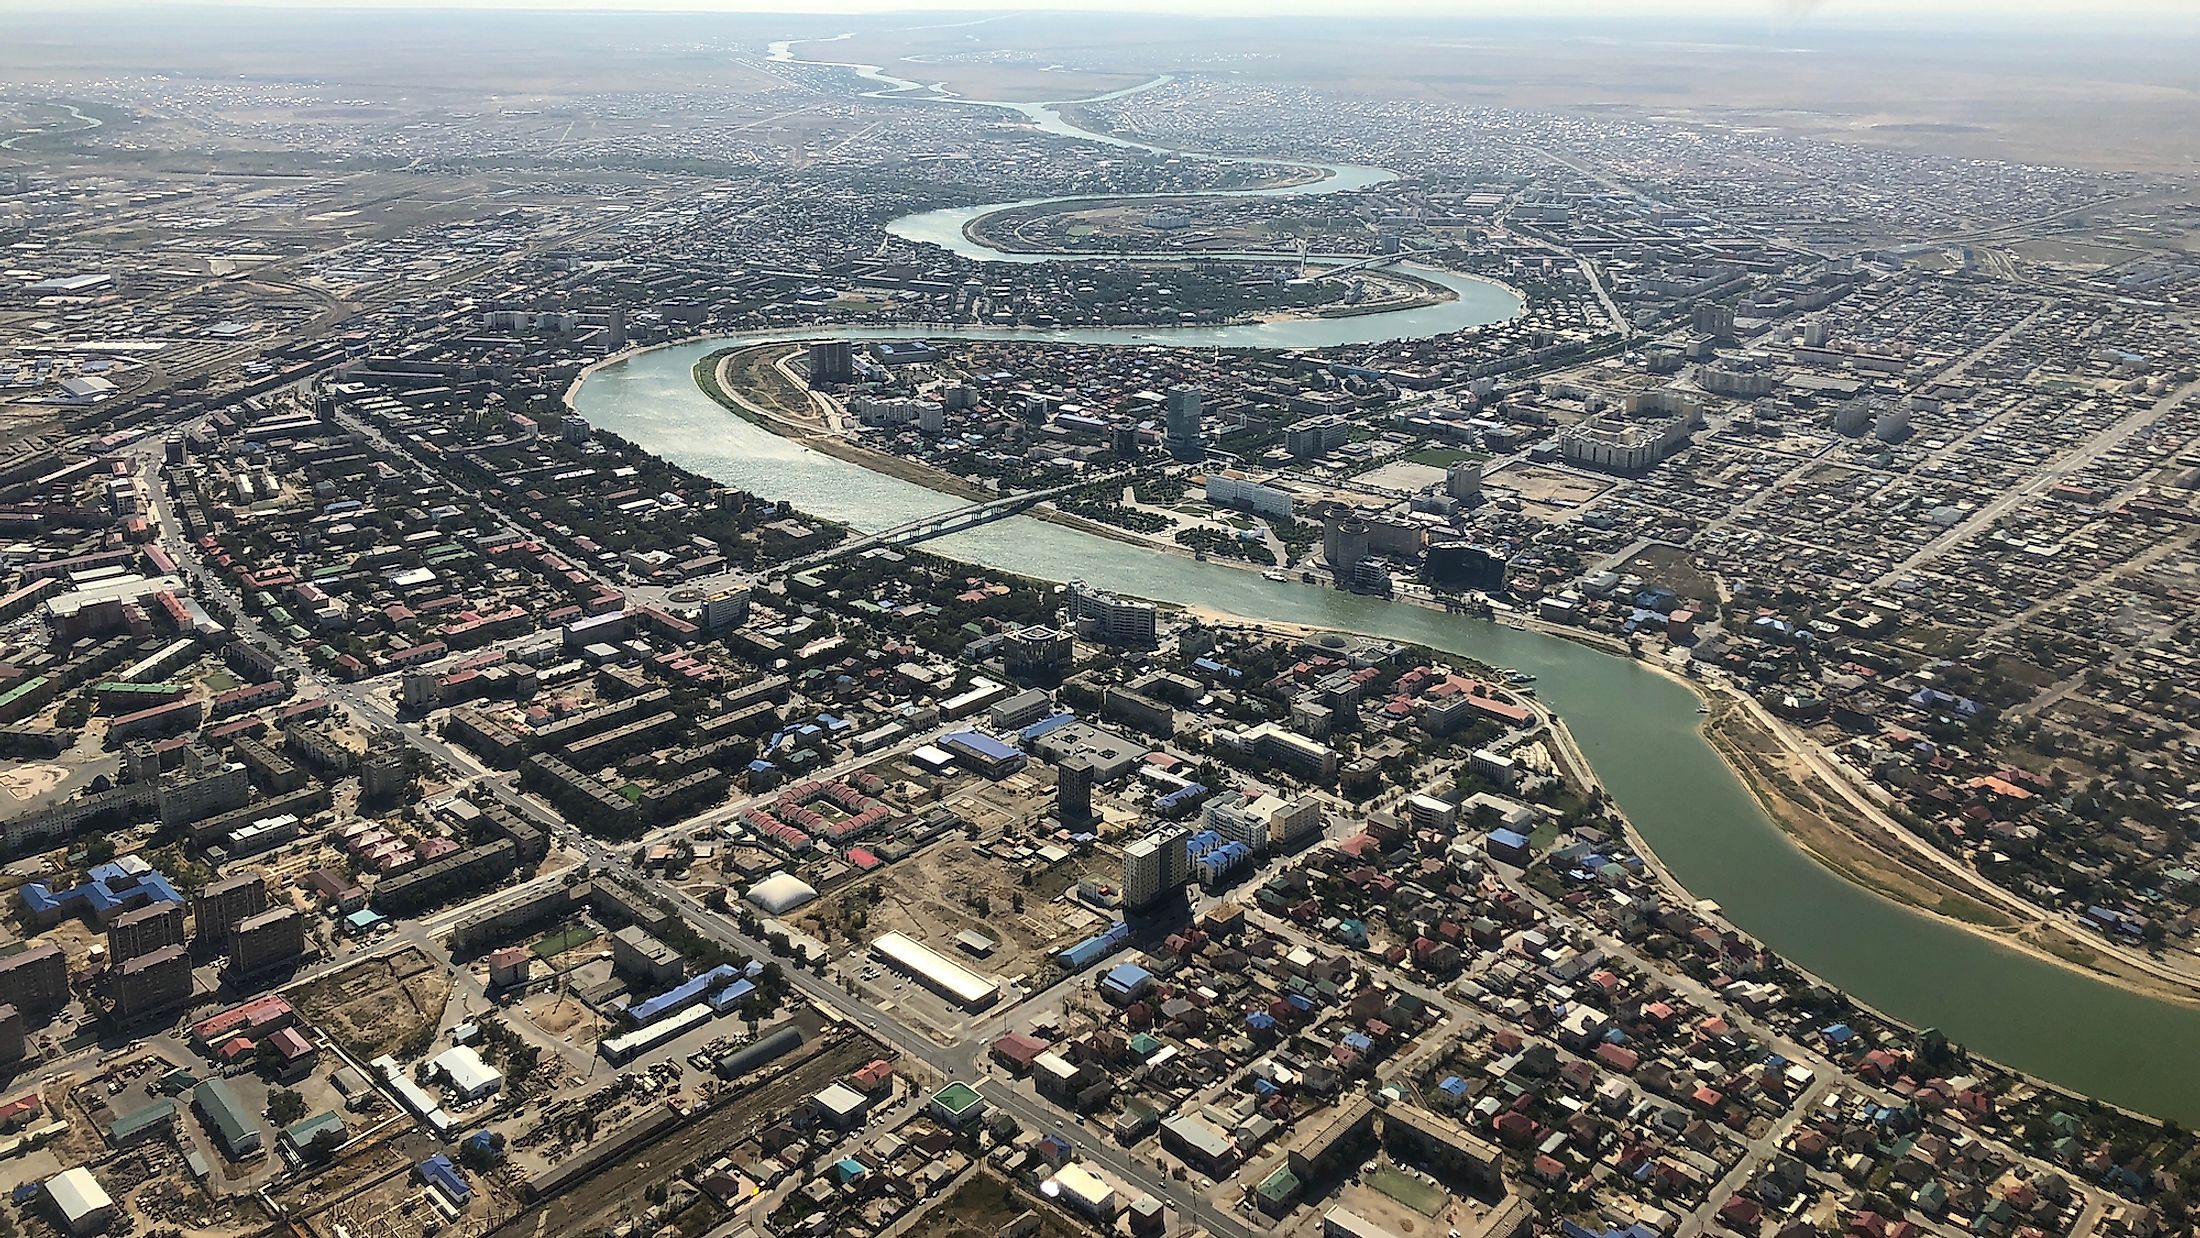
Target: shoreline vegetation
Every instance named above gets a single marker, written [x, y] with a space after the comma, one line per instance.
[1770, 765]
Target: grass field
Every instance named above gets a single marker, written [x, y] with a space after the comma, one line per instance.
[563, 940]
[1408, 1190]
[1445, 457]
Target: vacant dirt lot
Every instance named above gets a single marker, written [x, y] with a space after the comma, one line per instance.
[1674, 568]
[1550, 493]
[952, 887]
[376, 1006]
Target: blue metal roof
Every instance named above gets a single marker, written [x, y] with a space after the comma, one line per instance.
[109, 888]
[1044, 725]
[1093, 949]
[983, 744]
[732, 995]
[438, 1172]
[1126, 976]
[680, 995]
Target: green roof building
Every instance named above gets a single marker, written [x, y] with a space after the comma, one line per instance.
[142, 1123]
[297, 1138]
[1278, 1192]
[957, 1103]
[238, 1131]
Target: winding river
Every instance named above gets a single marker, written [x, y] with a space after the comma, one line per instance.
[79, 123]
[1639, 730]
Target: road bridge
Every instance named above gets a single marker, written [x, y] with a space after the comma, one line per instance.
[940, 524]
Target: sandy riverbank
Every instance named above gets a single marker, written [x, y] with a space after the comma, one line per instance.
[1833, 832]
[1567, 753]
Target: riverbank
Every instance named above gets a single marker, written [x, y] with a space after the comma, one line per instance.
[986, 229]
[1774, 772]
[1825, 829]
[1823, 824]
[1566, 752]
[715, 375]
[1642, 731]
[1835, 834]
[1400, 290]
[2052, 1020]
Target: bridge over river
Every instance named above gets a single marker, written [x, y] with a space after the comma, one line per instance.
[940, 524]
[1640, 730]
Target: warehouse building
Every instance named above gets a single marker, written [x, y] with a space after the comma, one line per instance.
[229, 1121]
[937, 972]
[80, 1201]
[468, 1077]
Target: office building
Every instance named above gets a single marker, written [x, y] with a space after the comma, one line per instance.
[1143, 712]
[1296, 822]
[1463, 481]
[1286, 750]
[1021, 710]
[1230, 488]
[1036, 653]
[832, 361]
[1123, 439]
[1316, 437]
[1182, 434]
[1615, 445]
[1464, 565]
[1073, 790]
[725, 608]
[1112, 756]
[1263, 822]
[1344, 546]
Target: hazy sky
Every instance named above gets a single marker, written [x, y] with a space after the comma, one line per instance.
[2182, 11]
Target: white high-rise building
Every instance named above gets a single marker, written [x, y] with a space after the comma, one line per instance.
[1155, 866]
[1463, 481]
[1102, 616]
[1262, 822]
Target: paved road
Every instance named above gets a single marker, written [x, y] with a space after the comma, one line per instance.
[2112, 436]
